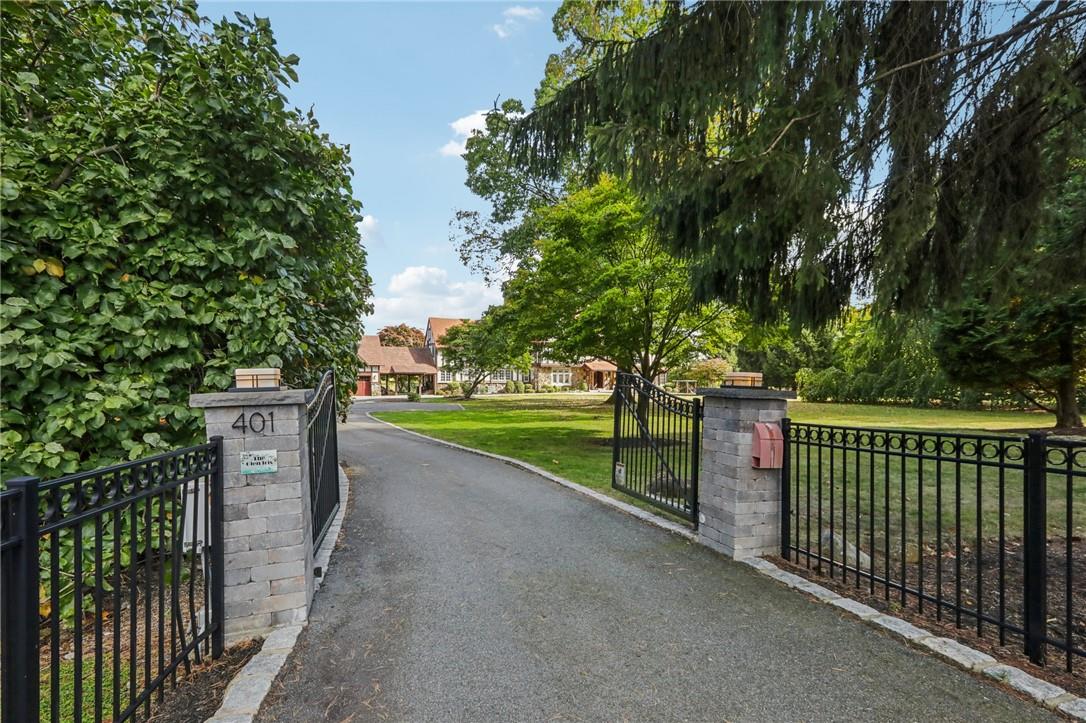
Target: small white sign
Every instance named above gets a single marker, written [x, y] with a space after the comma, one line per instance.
[620, 473]
[260, 461]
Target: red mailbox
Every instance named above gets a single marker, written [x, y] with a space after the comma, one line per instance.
[768, 446]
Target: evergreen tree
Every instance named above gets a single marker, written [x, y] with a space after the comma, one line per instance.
[801, 152]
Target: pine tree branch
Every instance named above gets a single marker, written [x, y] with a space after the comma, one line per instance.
[1033, 400]
[1015, 31]
[784, 130]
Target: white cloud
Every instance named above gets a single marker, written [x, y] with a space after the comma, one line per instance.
[474, 122]
[463, 128]
[454, 148]
[519, 11]
[514, 18]
[421, 291]
[370, 232]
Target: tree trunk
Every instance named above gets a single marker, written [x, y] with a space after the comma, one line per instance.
[1067, 411]
[470, 389]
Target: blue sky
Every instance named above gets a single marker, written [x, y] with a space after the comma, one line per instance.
[402, 84]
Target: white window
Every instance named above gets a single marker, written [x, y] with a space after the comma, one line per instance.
[560, 378]
[444, 376]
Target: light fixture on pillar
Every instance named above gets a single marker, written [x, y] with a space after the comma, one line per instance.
[252, 379]
[751, 380]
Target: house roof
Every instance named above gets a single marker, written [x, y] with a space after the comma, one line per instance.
[439, 325]
[396, 359]
[599, 365]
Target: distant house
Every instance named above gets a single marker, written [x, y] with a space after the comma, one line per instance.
[594, 373]
[397, 369]
[436, 328]
[591, 374]
[393, 369]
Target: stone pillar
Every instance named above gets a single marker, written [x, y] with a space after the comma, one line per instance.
[739, 507]
[268, 527]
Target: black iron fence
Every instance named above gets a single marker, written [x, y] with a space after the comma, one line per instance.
[984, 531]
[656, 446]
[112, 580]
[323, 456]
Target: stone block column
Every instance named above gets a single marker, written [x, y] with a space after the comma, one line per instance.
[267, 522]
[739, 506]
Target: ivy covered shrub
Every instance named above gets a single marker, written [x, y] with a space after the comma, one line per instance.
[167, 217]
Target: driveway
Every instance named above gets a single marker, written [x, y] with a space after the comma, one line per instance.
[464, 589]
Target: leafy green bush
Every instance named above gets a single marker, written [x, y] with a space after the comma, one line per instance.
[510, 387]
[413, 396]
[453, 389]
[582, 386]
[520, 387]
[167, 218]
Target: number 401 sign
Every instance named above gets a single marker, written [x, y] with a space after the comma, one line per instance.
[256, 423]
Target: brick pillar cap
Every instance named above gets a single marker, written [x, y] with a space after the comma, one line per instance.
[745, 393]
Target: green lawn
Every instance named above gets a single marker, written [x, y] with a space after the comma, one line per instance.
[569, 434]
[67, 690]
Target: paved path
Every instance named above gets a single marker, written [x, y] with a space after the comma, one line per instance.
[464, 589]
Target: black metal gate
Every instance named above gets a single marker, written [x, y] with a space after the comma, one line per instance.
[656, 446]
[323, 456]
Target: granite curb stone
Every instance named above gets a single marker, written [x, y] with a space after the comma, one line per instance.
[246, 692]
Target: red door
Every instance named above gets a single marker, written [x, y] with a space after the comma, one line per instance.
[363, 388]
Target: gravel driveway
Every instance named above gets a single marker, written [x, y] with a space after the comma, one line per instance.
[464, 589]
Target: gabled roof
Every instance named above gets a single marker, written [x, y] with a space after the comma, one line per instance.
[599, 365]
[395, 359]
[439, 325]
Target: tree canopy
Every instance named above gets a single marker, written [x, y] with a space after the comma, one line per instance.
[166, 218]
[474, 349]
[492, 243]
[401, 335]
[801, 153]
[601, 284]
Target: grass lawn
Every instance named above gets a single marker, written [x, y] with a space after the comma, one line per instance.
[569, 434]
[67, 690]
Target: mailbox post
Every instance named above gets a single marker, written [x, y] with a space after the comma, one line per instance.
[740, 482]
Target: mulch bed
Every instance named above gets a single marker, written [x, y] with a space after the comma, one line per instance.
[1011, 653]
[199, 694]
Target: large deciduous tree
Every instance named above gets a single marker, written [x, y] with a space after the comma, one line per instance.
[601, 284]
[167, 217]
[475, 349]
[492, 243]
[401, 335]
[800, 152]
